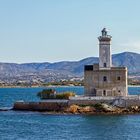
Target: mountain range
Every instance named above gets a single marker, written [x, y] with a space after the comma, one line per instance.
[44, 72]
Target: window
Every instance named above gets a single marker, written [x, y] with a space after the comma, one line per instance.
[104, 78]
[104, 93]
[118, 78]
[105, 65]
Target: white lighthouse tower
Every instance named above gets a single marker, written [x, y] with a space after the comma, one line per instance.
[105, 59]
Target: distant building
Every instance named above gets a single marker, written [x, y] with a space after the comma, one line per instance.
[102, 79]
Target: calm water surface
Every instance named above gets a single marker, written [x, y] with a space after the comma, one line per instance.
[40, 126]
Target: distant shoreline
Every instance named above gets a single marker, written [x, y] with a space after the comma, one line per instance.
[36, 86]
[51, 86]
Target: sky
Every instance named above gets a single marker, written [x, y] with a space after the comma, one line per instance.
[65, 30]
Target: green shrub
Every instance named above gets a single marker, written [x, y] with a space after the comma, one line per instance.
[51, 94]
[98, 106]
[47, 94]
[65, 95]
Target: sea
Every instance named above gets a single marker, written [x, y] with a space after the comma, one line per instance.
[23, 125]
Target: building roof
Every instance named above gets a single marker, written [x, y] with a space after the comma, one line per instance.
[91, 68]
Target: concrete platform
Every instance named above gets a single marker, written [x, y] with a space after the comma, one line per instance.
[122, 101]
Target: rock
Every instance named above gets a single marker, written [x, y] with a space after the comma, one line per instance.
[124, 110]
[73, 109]
[87, 109]
[119, 102]
[5, 108]
[134, 109]
[108, 108]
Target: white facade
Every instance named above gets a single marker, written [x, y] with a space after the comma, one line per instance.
[105, 59]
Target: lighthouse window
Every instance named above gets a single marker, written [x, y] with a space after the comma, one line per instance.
[105, 65]
[104, 78]
[118, 78]
[104, 93]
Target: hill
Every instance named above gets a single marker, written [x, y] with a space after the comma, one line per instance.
[44, 72]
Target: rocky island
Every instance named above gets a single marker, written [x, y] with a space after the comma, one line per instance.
[68, 107]
[69, 103]
[105, 85]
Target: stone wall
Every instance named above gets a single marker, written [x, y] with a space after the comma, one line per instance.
[114, 85]
[127, 101]
[60, 105]
[48, 105]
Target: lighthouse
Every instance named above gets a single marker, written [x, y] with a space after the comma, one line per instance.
[105, 59]
[103, 79]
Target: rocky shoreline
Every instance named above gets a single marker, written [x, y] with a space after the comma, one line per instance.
[64, 108]
[98, 109]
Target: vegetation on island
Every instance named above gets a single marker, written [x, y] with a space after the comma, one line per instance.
[65, 95]
[52, 94]
[47, 94]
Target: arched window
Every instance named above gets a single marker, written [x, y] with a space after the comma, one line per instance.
[104, 78]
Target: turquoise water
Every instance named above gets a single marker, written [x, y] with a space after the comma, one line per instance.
[40, 126]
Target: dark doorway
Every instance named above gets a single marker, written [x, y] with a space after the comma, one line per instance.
[104, 92]
[94, 92]
[118, 78]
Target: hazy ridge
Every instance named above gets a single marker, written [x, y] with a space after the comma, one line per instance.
[63, 70]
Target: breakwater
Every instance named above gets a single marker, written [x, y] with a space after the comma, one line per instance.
[48, 105]
[121, 101]
[60, 105]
